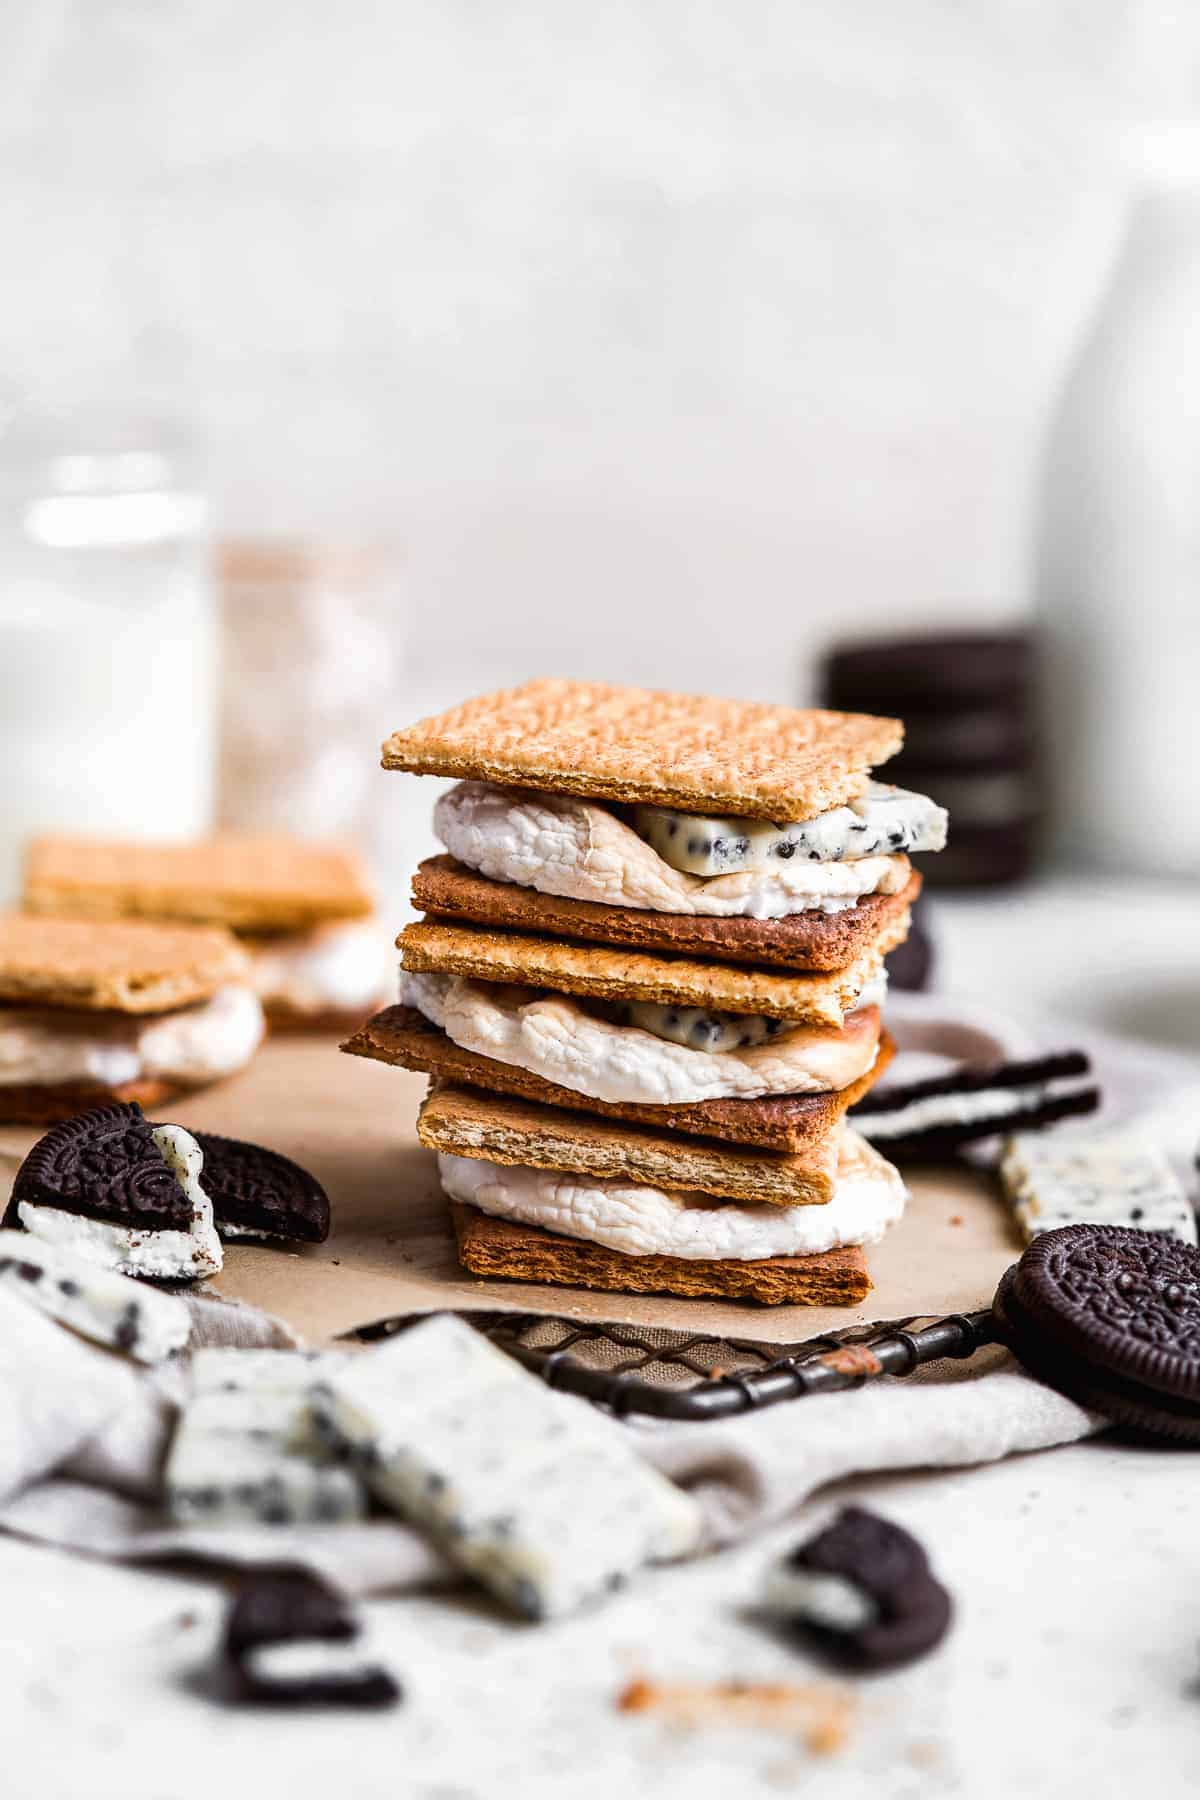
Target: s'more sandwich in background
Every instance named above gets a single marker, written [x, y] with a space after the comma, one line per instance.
[303, 911]
[117, 1010]
[647, 986]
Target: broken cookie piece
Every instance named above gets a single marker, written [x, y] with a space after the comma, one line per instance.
[292, 1640]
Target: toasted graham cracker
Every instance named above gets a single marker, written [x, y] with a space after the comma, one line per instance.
[251, 883]
[638, 744]
[467, 1122]
[504, 1249]
[610, 974]
[788, 1123]
[47, 1105]
[114, 965]
[809, 940]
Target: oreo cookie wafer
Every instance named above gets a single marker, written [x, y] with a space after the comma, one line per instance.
[293, 1640]
[935, 1118]
[257, 1193]
[1111, 1318]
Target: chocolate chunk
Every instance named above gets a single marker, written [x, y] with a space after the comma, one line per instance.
[104, 1165]
[258, 1192]
[292, 1640]
[862, 1591]
[1111, 1317]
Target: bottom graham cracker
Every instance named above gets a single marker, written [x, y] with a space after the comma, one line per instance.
[503, 1248]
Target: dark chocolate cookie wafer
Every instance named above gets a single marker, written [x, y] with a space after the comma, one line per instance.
[863, 1591]
[103, 1165]
[1111, 1317]
[927, 1120]
[257, 1193]
[292, 1640]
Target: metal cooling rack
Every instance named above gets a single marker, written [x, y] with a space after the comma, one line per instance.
[682, 1375]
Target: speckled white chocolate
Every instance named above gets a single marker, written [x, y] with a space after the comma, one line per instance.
[42, 1048]
[883, 821]
[817, 1598]
[1098, 1182]
[582, 851]
[97, 1303]
[699, 1029]
[540, 1497]
[935, 1110]
[159, 1255]
[346, 967]
[649, 1221]
[246, 1448]
[553, 1036]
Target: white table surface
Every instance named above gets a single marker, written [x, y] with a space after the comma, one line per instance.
[1073, 1667]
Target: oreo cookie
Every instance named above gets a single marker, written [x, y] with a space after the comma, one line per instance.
[103, 1165]
[1110, 1316]
[257, 1193]
[862, 1591]
[933, 1119]
[292, 1640]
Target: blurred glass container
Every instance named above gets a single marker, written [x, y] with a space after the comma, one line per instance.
[108, 637]
[309, 666]
[1118, 552]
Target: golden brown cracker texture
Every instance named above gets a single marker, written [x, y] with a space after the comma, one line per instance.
[114, 965]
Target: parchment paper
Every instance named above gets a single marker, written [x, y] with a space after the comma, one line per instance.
[392, 1251]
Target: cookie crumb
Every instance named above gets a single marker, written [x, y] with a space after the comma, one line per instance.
[822, 1715]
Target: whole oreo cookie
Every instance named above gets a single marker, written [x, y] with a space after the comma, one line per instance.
[257, 1193]
[1111, 1317]
[863, 1591]
[103, 1165]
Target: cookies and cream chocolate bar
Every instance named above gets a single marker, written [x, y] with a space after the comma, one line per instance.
[246, 1449]
[109, 1308]
[292, 1640]
[1103, 1181]
[935, 1117]
[880, 822]
[532, 1492]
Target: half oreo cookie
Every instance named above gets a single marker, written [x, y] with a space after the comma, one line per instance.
[935, 1118]
[1111, 1317]
[259, 1194]
[292, 1640]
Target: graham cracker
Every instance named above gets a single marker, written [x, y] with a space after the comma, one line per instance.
[503, 1248]
[114, 965]
[498, 1129]
[47, 1105]
[808, 940]
[638, 744]
[251, 883]
[609, 974]
[787, 1123]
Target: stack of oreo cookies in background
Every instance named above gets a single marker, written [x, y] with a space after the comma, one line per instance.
[647, 987]
[968, 704]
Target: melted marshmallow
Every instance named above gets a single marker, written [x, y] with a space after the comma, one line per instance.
[552, 1035]
[43, 1047]
[580, 851]
[345, 967]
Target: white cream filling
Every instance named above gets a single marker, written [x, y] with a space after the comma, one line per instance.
[199, 1043]
[552, 1036]
[818, 1598]
[301, 1660]
[650, 1221]
[163, 1255]
[581, 851]
[336, 968]
[997, 1103]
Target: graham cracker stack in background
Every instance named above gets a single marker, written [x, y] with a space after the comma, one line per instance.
[303, 911]
[97, 1010]
[647, 985]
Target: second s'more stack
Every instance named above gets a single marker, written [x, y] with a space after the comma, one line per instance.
[647, 985]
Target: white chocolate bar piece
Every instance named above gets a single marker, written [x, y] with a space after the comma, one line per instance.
[97, 1303]
[885, 821]
[1103, 1182]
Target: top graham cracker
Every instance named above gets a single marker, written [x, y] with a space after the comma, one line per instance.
[265, 884]
[113, 965]
[636, 744]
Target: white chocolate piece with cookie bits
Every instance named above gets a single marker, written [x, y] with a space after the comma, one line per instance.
[1101, 1181]
[168, 1255]
[884, 821]
[868, 1197]
[534, 1493]
[580, 850]
[97, 1303]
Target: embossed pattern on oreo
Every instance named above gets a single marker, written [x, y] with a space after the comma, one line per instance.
[257, 1192]
[104, 1165]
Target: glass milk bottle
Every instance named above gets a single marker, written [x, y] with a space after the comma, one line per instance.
[1118, 571]
[108, 642]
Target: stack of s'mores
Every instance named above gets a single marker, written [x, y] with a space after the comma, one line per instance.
[647, 985]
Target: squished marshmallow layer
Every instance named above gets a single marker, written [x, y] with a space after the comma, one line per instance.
[45, 1046]
[553, 1036]
[580, 851]
[343, 967]
[650, 1221]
